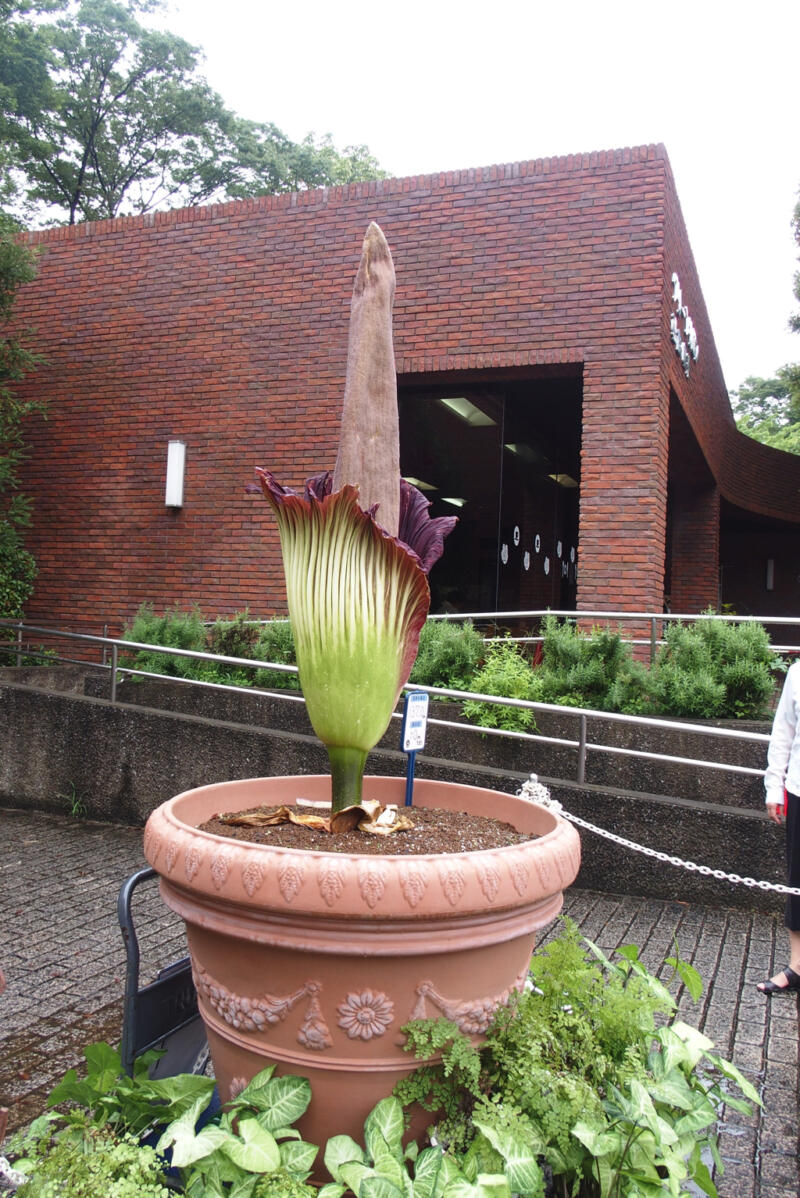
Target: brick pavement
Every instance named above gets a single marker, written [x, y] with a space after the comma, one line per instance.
[62, 954]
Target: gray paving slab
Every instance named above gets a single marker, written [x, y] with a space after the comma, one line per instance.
[62, 954]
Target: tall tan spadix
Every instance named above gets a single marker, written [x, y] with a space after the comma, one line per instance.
[369, 440]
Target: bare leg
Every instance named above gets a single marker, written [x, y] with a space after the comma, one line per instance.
[780, 979]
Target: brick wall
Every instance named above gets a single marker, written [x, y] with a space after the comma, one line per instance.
[226, 327]
[694, 519]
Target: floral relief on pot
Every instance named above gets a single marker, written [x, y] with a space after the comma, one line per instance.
[489, 879]
[365, 1014]
[171, 857]
[452, 881]
[192, 862]
[414, 882]
[331, 881]
[371, 882]
[470, 1017]
[253, 874]
[257, 1014]
[220, 868]
[152, 845]
[291, 875]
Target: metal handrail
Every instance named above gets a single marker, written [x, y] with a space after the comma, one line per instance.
[583, 745]
[572, 614]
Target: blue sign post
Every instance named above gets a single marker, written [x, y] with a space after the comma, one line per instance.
[415, 719]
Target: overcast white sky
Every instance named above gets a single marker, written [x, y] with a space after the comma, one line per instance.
[434, 85]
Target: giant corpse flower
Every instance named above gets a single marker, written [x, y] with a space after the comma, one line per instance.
[357, 548]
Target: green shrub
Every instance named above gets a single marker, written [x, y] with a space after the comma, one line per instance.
[690, 694]
[96, 1163]
[580, 669]
[712, 669]
[176, 628]
[276, 643]
[236, 636]
[90, 1147]
[508, 673]
[591, 1070]
[630, 692]
[448, 656]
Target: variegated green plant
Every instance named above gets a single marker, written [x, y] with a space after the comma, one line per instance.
[357, 547]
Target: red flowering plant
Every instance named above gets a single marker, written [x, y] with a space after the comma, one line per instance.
[357, 548]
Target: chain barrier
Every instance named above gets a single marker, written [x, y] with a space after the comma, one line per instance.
[533, 789]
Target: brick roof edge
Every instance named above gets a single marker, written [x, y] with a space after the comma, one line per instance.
[562, 164]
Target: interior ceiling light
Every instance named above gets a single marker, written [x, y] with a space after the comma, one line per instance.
[526, 453]
[563, 480]
[455, 502]
[419, 484]
[468, 411]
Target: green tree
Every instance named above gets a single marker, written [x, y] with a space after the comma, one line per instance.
[102, 116]
[17, 567]
[769, 409]
[794, 319]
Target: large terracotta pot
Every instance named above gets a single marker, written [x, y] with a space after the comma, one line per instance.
[315, 960]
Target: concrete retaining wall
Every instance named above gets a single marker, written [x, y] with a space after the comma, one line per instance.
[502, 753]
[121, 761]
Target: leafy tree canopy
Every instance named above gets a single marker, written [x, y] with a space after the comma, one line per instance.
[769, 409]
[794, 319]
[17, 567]
[101, 116]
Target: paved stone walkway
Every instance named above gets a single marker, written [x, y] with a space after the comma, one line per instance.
[63, 958]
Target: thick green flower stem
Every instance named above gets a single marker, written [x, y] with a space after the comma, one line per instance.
[347, 776]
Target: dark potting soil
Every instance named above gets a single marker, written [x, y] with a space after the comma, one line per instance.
[434, 831]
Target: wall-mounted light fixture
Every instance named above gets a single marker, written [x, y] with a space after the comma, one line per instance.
[176, 468]
[770, 574]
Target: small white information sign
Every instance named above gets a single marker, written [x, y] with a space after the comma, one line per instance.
[415, 720]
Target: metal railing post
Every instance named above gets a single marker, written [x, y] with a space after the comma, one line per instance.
[114, 653]
[582, 751]
[19, 647]
[652, 640]
[104, 658]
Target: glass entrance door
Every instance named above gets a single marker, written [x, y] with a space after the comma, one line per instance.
[504, 457]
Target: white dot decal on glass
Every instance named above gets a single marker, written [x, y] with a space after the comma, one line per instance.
[547, 565]
[526, 560]
[537, 544]
[559, 547]
[516, 534]
[504, 555]
[572, 554]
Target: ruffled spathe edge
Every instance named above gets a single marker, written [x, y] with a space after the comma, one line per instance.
[422, 535]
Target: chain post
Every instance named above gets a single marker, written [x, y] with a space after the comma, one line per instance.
[706, 871]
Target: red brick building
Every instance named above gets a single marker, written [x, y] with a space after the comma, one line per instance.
[557, 378]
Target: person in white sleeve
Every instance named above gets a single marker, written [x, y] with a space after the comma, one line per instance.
[782, 784]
